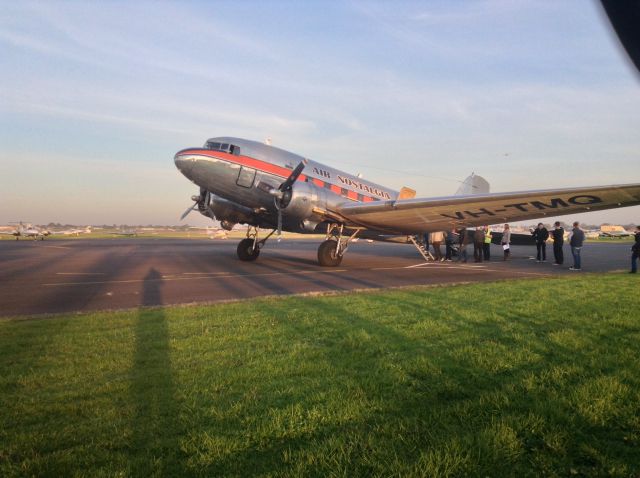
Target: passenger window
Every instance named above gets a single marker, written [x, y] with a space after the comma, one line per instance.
[327, 185]
[246, 177]
[361, 197]
[344, 192]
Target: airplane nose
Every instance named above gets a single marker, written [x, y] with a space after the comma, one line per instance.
[183, 164]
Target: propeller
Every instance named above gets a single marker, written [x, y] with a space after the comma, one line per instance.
[284, 193]
[199, 202]
[189, 209]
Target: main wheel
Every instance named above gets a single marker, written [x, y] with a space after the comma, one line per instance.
[328, 254]
[246, 252]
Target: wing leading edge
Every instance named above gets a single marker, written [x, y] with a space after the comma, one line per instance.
[437, 214]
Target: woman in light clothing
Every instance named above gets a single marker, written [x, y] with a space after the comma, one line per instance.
[435, 238]
[506, 240]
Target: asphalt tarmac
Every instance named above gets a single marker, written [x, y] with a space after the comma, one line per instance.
[46, 277]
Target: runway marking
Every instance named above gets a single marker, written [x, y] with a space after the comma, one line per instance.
[80, 273]
[440, 264]
[133, 281]
[204, 273]
[57, 247]
[470, 268]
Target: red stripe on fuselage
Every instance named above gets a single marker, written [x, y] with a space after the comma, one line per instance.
[245, 161]
[270, 168]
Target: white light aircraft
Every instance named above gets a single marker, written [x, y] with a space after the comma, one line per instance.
[614, 231]
[33, 232]
[28, 231]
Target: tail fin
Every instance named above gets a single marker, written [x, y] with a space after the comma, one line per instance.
[473, 185]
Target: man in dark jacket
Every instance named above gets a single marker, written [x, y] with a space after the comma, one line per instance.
[465, 238]
[452, 238]
[577, 239]
[635, 252]
[558, 242]
[540, 234]
[478, 244]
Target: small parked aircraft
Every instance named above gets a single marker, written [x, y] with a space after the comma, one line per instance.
[33, 232]
[256, 184]
[27, 230]
[614, 231]
[74, 232]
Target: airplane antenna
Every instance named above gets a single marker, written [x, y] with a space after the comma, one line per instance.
[268, 141]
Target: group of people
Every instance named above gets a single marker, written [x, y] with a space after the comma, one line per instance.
[576, 240]
[482, 237]
[457, 240]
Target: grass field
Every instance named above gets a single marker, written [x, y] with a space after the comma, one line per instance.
[527, 378]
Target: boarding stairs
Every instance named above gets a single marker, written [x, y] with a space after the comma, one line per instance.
[421, 249]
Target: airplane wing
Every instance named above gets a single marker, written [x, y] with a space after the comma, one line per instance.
[437, 214]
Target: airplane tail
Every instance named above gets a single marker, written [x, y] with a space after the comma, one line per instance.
[473, 185]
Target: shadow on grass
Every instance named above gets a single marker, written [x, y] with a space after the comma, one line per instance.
[155, 423]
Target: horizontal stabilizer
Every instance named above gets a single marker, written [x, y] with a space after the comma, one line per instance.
[406, 193]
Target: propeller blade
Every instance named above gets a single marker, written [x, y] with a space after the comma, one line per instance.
[279, 223]
[293, 176]
[186, 213]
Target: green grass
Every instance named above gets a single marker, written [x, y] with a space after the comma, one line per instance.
[527, 378]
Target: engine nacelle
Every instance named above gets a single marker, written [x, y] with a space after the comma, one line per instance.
[304, 198]
[230, 213]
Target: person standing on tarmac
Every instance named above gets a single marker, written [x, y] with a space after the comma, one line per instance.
[436, 240]
[540, 234]
[466, 237]
[478, 244]
[558, 242]
[577, 239]
[635, 252]
[449, 242]
[506, 240]
[486, 247]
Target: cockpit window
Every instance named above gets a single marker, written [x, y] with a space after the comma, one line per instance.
[224, 147]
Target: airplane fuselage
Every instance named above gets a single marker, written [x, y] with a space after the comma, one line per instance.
[242, 175]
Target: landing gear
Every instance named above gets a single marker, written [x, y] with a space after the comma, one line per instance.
[328, 254]
[246, 250]
[249, 248]
[332, 250]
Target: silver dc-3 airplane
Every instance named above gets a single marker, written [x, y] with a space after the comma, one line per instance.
[252, 183]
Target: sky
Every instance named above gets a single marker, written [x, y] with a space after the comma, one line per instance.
[97, 97]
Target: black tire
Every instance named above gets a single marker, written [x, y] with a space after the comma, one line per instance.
[327, 254]
[246, 252]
